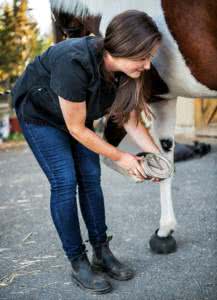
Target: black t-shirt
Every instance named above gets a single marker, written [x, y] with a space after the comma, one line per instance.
[69, 69]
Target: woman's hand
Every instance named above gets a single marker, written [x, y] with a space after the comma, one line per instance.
[130, 163]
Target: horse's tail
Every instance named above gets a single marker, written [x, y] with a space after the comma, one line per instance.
[73, 19]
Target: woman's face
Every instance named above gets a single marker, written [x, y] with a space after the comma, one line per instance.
[133, 67]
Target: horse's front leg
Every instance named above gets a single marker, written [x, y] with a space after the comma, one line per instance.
[162, 130]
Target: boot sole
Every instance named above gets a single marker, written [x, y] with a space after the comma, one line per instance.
[91, 291]
[101, 269]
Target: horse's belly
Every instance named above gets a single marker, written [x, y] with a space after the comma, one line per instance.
[187, 60]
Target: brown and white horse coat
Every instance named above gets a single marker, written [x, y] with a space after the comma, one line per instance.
[185, 65]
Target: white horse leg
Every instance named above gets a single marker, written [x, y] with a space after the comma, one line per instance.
[162, 130]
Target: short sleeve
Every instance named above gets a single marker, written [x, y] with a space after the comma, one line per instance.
[69, 79]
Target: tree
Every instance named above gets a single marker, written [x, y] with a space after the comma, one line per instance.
[7, 34]
[20, 40]
[26, 34]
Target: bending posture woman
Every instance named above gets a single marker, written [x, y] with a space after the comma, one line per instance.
[56, 99]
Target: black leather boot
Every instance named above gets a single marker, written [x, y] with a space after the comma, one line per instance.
[105, 261]
[84, 276]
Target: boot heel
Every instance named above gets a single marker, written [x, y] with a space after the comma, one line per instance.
[103, 260]
[97, 268]
[84, 276]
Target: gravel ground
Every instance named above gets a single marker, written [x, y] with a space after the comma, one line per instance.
[32, 263]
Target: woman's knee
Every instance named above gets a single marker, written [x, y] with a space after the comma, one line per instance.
[89, 182]
[63, 183]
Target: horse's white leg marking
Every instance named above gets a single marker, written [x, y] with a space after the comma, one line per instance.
[163, 128]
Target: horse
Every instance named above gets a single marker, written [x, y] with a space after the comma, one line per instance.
[185, 66]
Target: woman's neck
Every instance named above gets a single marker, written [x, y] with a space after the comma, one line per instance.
[109, 63]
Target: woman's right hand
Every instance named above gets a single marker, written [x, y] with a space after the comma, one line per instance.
[130, 163]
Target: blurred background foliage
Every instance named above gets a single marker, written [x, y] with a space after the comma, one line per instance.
[20, 40]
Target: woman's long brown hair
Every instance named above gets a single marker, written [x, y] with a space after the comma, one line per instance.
[131, 34]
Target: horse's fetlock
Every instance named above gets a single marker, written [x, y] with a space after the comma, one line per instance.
[166, 144]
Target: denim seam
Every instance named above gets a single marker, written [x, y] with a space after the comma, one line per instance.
[42, 157]
[91, 211]
[57, 192]
[31, 134]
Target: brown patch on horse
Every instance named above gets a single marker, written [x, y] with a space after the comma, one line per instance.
[193, 24]
[70, 26]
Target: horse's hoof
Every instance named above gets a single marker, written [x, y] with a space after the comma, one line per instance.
[163, 245]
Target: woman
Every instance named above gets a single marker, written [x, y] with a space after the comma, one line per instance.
[56, 99]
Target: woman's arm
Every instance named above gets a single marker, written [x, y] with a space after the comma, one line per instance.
[140, 135]
[74, 114]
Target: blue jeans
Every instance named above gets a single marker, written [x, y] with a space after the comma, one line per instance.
[68, 164]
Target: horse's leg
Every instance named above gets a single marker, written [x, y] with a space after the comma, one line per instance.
[163, 132]
[113, 134]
